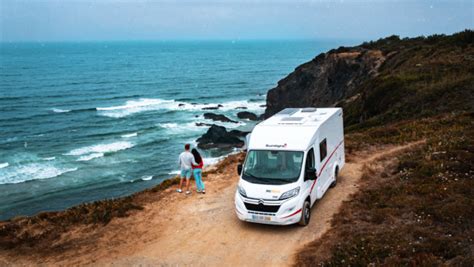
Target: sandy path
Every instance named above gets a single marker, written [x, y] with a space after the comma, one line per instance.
[203, 229]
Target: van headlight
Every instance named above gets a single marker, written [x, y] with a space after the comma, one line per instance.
[241, 191]
[290, 194]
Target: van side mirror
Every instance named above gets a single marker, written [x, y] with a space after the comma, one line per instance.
[239, 169]
[310, 174]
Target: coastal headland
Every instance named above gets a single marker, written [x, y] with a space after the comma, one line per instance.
[404, 197]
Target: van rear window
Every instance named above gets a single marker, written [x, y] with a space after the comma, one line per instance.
[323, 150]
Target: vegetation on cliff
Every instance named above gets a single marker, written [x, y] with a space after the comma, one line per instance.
[417, 208]
[383, 81]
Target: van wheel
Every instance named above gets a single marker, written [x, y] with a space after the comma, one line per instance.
[336, 172]
[305, 213]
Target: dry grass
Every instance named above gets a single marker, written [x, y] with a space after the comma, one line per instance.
[416, 209]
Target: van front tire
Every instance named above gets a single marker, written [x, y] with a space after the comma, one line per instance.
[305, 213]
[334, 183]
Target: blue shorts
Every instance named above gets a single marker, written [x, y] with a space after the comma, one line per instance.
[186, 173]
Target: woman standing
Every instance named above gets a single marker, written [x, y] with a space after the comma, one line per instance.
[197, 171]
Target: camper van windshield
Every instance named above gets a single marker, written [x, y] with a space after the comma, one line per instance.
[272, 166]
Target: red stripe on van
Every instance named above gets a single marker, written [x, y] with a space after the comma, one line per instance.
[324, 165]
[294, 213]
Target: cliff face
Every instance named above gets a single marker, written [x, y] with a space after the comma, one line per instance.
[327, 79]
[387, 80]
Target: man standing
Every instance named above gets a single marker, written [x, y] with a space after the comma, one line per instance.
[185, 161]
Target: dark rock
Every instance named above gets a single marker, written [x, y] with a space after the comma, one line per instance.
[241, 108]
[210, 108]
[220, 106]
[239, 133]
[247, 115]
[199, 124]
[181, 105]
[219, 137]
[325, 80]
[263, 106]
[217, 117]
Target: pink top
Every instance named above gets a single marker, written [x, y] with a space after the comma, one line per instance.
[199, 166]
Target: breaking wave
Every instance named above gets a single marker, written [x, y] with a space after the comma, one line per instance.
[148, 104]
[90, 156]
[129, 135]
[146, 178]
[58, 110]
[31, 171]
[96, 151]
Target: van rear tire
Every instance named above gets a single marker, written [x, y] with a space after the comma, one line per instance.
[334, 183]
[305, 213]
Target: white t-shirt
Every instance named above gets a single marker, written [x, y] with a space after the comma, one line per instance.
[185, 160]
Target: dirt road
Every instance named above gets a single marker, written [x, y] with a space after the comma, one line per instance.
[203, 229]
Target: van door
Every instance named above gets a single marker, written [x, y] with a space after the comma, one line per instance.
[324, 168]
[311, 180]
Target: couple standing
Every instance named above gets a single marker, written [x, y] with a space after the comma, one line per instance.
[191, 163]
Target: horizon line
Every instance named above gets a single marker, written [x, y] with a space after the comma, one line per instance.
[182, 40]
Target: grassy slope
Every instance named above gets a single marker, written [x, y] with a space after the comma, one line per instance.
[418, 208]
[421, 77]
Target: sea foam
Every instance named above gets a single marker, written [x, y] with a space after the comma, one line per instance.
[129, 135]
[58, 110]
[147, 178]
[90, 156]
[212, 161]
[97, 151]
[175, 128]
[31, 171]
[148, 104]
[4, 165]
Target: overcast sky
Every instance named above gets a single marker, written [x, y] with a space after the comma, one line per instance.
[80, 20]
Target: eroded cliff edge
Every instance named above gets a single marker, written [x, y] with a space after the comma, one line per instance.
[390, 79]
[325, 80]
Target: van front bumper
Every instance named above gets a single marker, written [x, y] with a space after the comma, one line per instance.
[288, 213]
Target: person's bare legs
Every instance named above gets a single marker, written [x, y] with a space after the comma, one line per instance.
[187, 184]
[181, 183]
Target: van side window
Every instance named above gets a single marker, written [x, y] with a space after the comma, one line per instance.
[323, 152]
[310, 159]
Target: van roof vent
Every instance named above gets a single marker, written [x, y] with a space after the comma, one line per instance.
[288, 111]
[308, 110]
[292, 119]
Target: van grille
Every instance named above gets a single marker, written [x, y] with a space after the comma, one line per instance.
[261, 207]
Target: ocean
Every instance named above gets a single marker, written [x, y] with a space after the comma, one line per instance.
[86, 121]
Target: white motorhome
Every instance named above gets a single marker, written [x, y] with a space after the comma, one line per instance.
[292, 159]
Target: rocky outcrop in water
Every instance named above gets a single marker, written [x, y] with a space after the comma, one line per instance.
[239, 133]
[247, 115]
[217, 117]
[213, 108]
[201, 124]
[219, 137]
[325, 80]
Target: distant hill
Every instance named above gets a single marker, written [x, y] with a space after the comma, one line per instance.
[386, 80]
